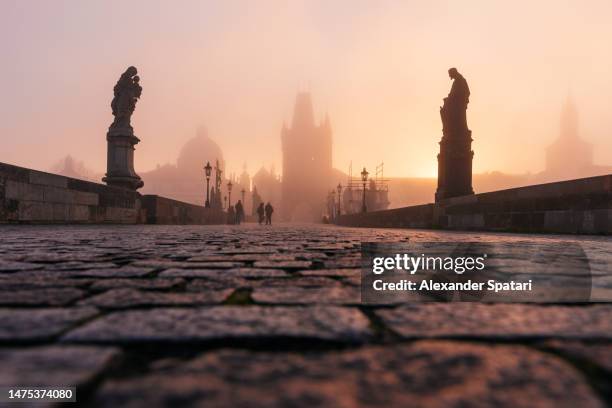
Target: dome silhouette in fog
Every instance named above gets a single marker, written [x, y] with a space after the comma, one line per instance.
[185, 181]
[196, 152]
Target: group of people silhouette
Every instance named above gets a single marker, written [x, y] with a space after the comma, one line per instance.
[265, 212]
[235, 214]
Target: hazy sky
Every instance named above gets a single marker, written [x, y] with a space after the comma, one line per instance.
[378, 68]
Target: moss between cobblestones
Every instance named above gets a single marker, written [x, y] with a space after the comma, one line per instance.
[240, 297]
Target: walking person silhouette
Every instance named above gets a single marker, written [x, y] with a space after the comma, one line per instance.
[269, 211]
[261, 213]
[239, 212]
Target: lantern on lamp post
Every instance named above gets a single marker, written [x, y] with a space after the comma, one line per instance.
[364, 178]
[208, 171]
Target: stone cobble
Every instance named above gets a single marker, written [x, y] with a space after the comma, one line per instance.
[271, 316]
[426, 373]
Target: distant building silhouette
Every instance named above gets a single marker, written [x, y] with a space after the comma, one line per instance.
[307, 163]
[268, 185]
[244, 183]
[185, 181]
[70, 167]
[569, 156]
[255, 201]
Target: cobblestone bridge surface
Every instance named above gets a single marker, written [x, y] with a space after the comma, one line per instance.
[253, 316]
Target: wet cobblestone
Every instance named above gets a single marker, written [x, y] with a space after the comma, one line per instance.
[257, 316]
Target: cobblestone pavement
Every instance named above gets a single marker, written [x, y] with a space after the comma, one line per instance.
[255, 316]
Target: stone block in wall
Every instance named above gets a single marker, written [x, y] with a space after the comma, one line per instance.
[112, 214]
[466, 221]
[130, 216]
[562, 221]
[9, 210]
[539, 191]
[527, 221]
[35, 211]
[61, 212]
[121, 215]
[53, 194]
[587, 223]
[78, 213]
[468, 199]
[497, 221]
[15, 190]
[117, 197]
[97, 214]
[602, 221]
[47, 179]
[3, 202]
[9, 172]
[86, 186]
[84, 198]
[581, 222]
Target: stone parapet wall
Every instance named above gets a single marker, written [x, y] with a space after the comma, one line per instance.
[31, 196]
[582, 206]
[35, 197]
[161, 210]
[419, 216]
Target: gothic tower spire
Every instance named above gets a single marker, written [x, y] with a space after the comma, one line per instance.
[303, 115]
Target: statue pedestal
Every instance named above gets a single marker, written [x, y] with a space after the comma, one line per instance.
[455, 166]
[120, 159]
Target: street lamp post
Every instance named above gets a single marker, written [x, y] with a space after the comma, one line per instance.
[242, 193]
[225, 202]
[229, 192]
[339, 188]
[364, 178]
[208, 170]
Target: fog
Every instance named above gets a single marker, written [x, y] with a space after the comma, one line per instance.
[377, 67]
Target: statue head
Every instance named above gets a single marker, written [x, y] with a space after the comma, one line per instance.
[453, 73]
[131, 71]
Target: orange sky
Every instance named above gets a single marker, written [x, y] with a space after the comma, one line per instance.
[378, 68]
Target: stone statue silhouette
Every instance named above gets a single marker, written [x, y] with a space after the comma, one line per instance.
[120, 136]
[455, 158]
[126, 93]
[453, 112]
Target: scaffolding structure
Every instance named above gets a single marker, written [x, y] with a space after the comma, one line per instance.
[378, 183]
[376, 191]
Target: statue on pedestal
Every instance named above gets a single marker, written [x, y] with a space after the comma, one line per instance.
[126, 93]
[120, 137]
[455, 158]
[453, 112]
